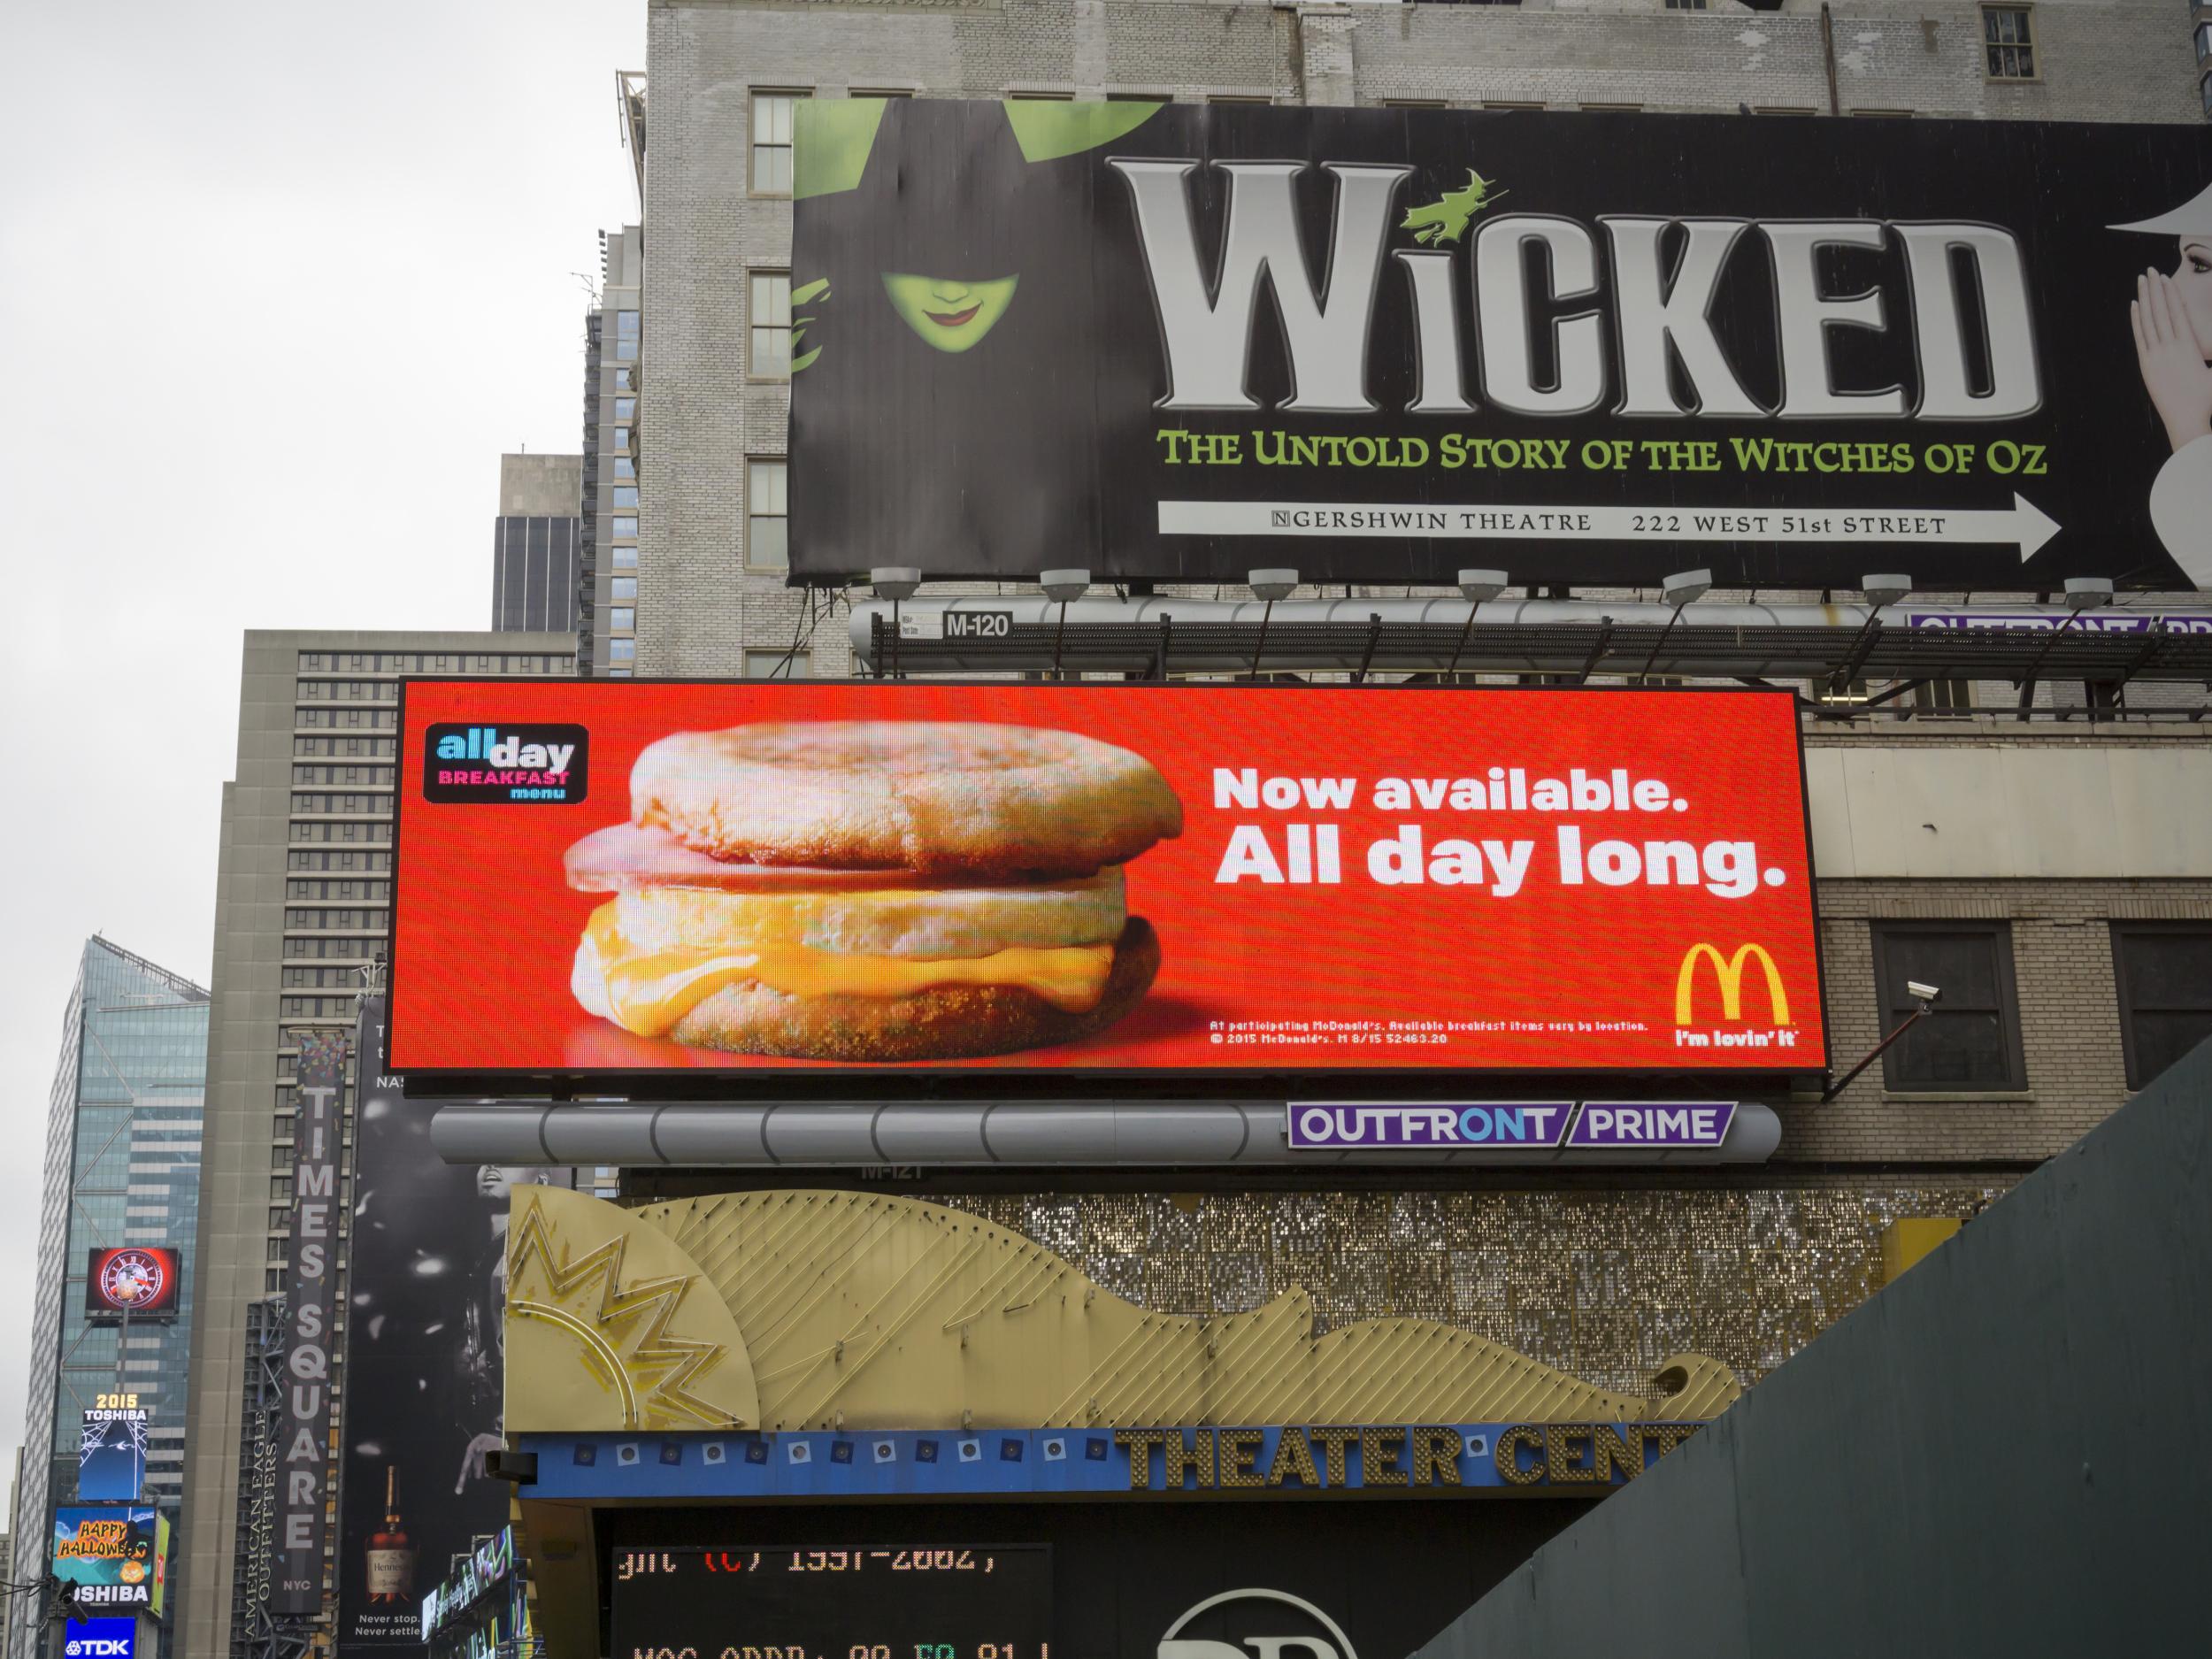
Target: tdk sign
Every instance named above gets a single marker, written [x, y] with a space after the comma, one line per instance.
[102, 1639]
[505, 764]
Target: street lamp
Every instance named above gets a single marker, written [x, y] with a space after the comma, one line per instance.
[894, 583]
[1477, 588]
[1063, 586]
[1268, 585]
[1683, 588]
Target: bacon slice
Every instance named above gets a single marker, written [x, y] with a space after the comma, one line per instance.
[626, 856]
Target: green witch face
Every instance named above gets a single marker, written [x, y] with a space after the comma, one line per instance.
[946, 312]
[948, 268]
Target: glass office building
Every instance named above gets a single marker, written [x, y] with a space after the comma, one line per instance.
[122, 1168]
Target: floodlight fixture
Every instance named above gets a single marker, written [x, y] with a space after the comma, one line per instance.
[1884, 590]
[894, 583]
[2088, 592]
[1065, 584]
[1686, 588]
[1271, 585]
[1480, 587]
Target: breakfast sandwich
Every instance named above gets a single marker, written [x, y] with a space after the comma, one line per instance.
[872, 890]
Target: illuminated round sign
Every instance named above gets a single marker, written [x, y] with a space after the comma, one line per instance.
[134, 1278]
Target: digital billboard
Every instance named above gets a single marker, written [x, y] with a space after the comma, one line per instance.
[847, 876]
[1178, 341]
[112, 1555]
[424, 1354]
[111, 1453]
[143, 1280]
[944, 1598]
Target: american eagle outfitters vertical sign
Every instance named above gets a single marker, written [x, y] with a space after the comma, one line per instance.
[1178, 341]
[303, 1463]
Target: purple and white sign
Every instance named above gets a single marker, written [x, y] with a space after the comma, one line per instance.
[2117, 621]
[1665, 1126]
[1427, 1125]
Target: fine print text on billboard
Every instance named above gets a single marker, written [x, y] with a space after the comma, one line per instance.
[1109, 878]
[1377, 345]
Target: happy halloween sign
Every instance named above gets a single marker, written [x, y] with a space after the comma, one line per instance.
[1178, 341]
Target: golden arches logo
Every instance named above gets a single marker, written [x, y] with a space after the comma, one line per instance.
[1728, 971]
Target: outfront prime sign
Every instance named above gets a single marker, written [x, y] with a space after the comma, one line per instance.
[835, 877]
[1180, 342]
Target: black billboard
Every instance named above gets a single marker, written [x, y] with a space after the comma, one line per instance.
[1327, 1579]
[427, 1291]
[1179, 342]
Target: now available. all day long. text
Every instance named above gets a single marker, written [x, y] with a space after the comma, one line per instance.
[1305, 852]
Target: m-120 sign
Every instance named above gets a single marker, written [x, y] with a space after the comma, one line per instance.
[1177, 341]
[1221, 879]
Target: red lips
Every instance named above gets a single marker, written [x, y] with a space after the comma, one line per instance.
[952, 319]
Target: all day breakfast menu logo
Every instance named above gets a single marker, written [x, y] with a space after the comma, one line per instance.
[509, 762]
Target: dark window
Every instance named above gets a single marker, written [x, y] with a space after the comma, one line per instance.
[2165, 976]
[1972, 1040]
[2008, 47]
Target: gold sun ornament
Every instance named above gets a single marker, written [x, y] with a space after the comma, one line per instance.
[614, 1326]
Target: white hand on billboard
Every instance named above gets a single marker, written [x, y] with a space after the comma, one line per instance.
[2174, 370]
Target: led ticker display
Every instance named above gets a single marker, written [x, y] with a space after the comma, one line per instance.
[1105, 878]
[924, 1600]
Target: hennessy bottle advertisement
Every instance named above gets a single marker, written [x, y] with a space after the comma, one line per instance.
[423, 1375]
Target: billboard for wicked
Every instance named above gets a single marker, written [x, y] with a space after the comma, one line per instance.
[1179, 342]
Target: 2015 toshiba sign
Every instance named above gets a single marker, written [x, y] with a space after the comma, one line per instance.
[1107, 878]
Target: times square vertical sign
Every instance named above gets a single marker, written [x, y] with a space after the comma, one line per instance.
[303, 1421]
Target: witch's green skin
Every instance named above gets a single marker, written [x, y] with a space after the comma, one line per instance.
[947, 313]
[1446, 220]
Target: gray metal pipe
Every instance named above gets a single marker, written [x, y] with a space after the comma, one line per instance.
[933, 1134]
[1446, 615]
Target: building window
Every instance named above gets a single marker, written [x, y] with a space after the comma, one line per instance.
[626, 336]
[621, 650]
[625, 409]
[1972, 1040]
[786, 664]
[625, 380]
[622, 439]
[1944, 696]
[623, 558]
[2008, 53]
[624, 467]
[622, 619]
[1048, 97]
[624, 527]
[771, 321]
[774, 113]
[2204, 42]
[2164, 971]
[622, 587]
[881, 92]
[1686, 6]
[1239, 97]
[626, 494]
[767, 517]
[1847, 695]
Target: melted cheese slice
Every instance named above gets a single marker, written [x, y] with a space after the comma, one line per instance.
[648, 990]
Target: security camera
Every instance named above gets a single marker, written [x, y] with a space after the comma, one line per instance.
[1921, 993]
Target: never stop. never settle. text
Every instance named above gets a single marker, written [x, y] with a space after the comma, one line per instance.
[1305, 853]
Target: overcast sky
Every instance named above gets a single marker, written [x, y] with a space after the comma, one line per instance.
[283, 283]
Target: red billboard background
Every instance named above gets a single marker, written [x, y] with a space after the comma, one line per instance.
[1495, 958]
